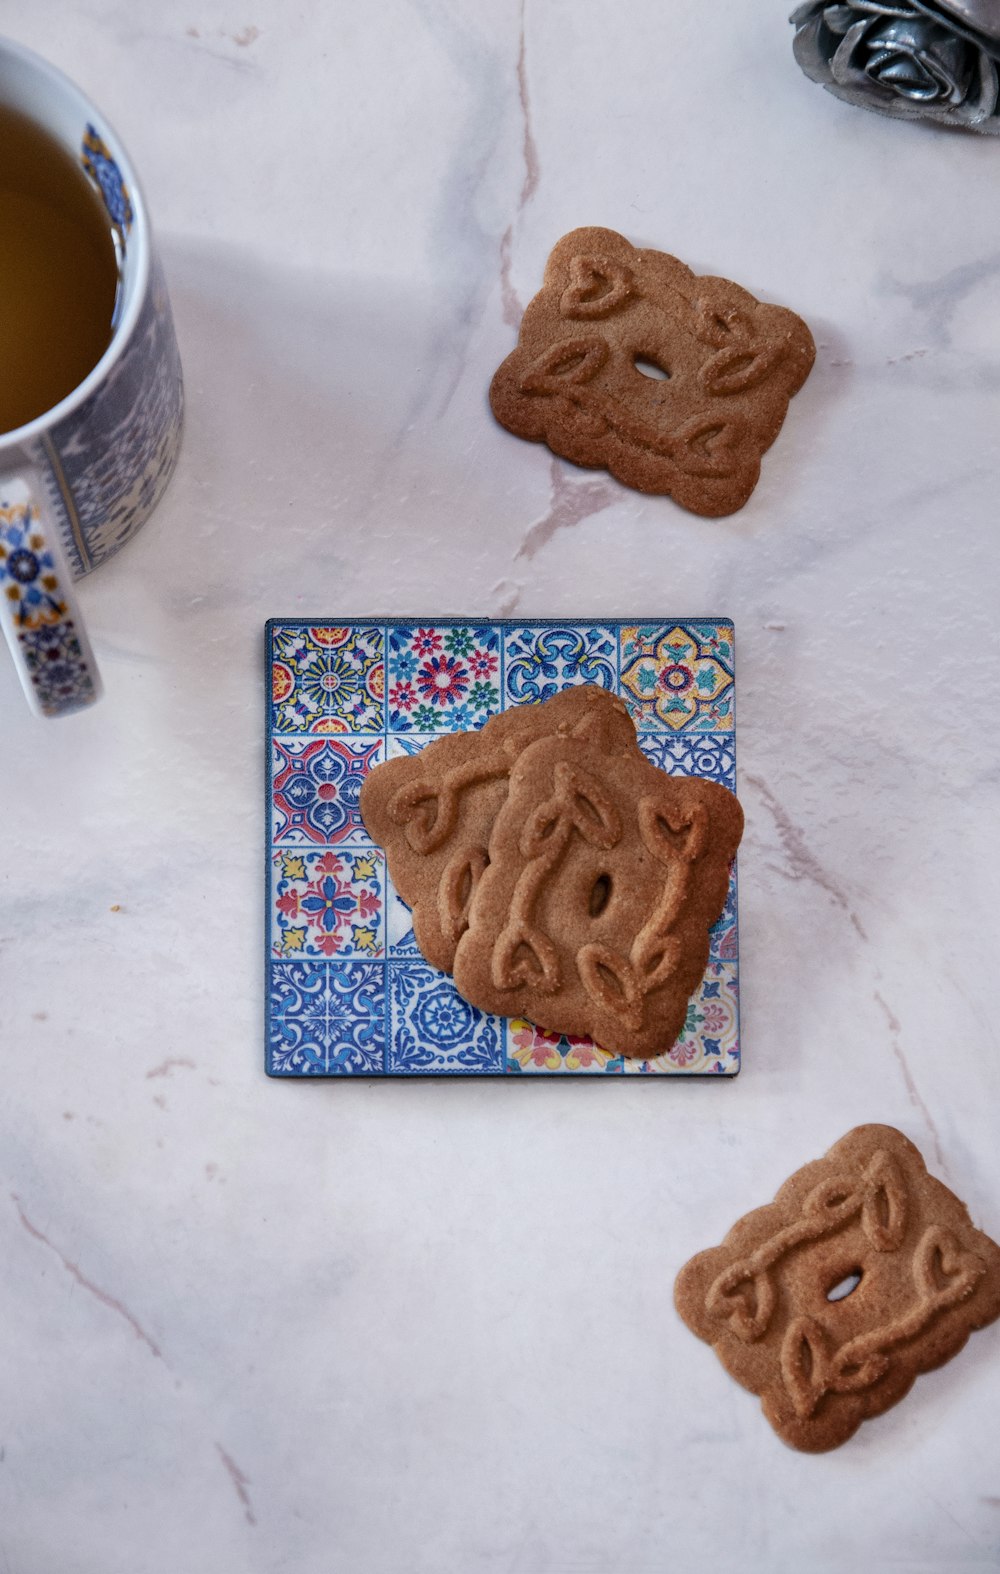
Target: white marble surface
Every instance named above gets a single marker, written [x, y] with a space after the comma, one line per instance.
[250, 1327]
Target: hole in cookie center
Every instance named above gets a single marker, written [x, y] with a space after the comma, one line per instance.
[845, 1287]
[650, 368]
[600, 895]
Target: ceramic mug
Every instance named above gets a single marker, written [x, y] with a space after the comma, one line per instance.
[79, 481]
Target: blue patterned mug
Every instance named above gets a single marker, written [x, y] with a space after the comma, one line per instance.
[76, 483]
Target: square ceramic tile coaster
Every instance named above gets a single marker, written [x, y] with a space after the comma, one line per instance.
[348, 993]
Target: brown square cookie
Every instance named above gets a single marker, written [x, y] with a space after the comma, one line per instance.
[870, 1212]
[433, 812]
[604, 878]
[627, 361]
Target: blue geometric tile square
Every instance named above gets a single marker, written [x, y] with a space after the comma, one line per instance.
[433, 1029]
[443, 678]
[326, 1018]
[348, 991]
[539, 662]
[315, 787]
[708, 754]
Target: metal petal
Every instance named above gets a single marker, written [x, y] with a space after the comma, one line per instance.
[907, 59]
[804, 13]
[838, 18]
[979, 110]
[907, 76]
[847, 64]
[989, 86]
[981, 17]
[947, 57]
[884, 8]
[809, 54]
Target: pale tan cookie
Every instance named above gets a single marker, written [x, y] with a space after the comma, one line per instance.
[575, 381]
[928, 1278]
[604, 878]
[433, 812]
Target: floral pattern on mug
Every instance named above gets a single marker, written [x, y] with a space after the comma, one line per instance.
[95, 156]
[59, 672]
[29, 580]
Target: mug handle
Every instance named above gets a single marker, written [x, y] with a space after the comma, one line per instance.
[38, 610]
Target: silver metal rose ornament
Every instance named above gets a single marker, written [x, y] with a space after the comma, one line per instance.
[913, 59]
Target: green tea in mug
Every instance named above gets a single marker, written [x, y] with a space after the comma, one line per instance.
[58, 272]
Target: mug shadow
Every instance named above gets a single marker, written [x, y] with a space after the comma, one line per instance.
[294, 506]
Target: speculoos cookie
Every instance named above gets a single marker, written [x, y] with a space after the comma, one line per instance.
[676, 383]
[604, 877]
[433, 812]
[867, 1215]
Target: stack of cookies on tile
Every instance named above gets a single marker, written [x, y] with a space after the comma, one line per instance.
[555, 872]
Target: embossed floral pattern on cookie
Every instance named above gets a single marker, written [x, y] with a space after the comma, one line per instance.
[628, 361]
[828, 1302]
[709, 1039]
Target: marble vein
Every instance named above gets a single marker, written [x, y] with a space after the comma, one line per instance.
[95, 1290]
[166, 1067]
[895, 1032]
[512, 307]
[240, 1483]
[463, 245]
[802, 863]
[570, 503]
[194, 40]
[940, 298]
